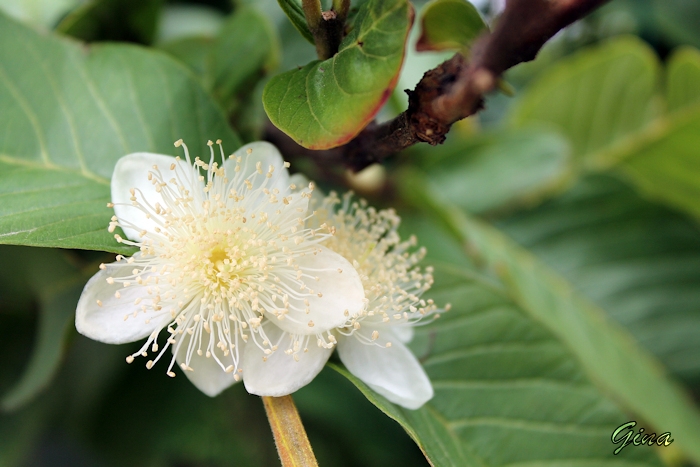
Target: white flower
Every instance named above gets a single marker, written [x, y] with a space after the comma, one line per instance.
[225, 264]
[372, 346]
[371, 343]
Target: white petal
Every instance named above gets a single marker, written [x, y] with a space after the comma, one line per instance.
[132, 171]
[340, 291]
[302, 184]
[403, 332]
[106, 323]
[393, 372]
[300, 180]
[268, 155]
[207, 374]
[280, 374]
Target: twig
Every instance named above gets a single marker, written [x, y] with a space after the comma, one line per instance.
[455, 89]
[326, 26]
[342, 8]
[292, 443]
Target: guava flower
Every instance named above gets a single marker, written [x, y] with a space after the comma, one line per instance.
[226, 262]
[371, 343]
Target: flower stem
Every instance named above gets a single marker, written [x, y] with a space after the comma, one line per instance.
[290, 437]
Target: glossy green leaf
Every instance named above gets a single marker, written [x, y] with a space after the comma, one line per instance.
[326, 103]
[639, 261]
[500, 170]
[68, 116]
[508, 391]
[449, 24]
[683, 78]
[294, 12]
[605, 351]
[596, 97]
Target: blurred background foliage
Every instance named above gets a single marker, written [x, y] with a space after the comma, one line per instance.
[593, 167]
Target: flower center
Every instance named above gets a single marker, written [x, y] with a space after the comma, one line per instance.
[220, 259]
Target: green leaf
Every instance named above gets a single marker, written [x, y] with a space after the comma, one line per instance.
[596, 97]
[294, 12]
[663, 163]
[683, 78]
[507, 390]
[604, 100]
[182, 20]
[327, 103]
[499, 170]
[605, 351]
[115, 20]
[328, 399]
[19, 433]
[55, 282]
[56, 318]
[637, 260]
[674, 20]
[233, 64]
[21, 430]
[191, 51]
[68, 116]
[245, 50]
[449, 24]
[43, 13]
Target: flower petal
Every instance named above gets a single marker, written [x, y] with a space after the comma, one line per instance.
[340, 292]
[280, 374]
[393, 372]
[403, 332]
[207, 374]
[107, 323]
[301, 183]
[300, 180]
[132, 171]
[265, 153]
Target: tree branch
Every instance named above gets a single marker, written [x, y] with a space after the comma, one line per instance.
[455, 89]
